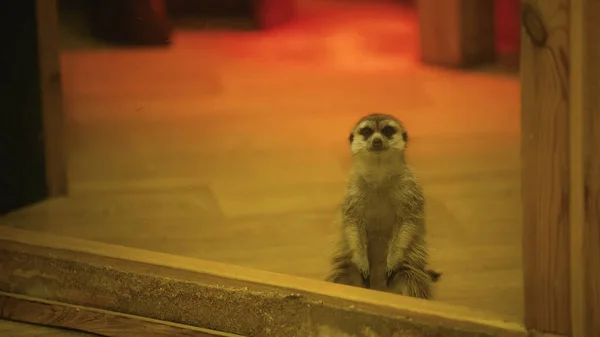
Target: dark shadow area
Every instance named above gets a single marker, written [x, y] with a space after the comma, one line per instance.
[22, 170]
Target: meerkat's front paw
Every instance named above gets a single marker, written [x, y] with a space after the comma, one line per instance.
[363, 268]
[394, 265]
[366, 277]
[391, 274]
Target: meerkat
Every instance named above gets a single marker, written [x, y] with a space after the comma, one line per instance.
[382, 244]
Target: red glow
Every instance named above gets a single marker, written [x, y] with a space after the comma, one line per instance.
[508, 29]
[274, 12]
[343, 36]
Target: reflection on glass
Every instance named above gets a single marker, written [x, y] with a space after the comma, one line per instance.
[222, 133]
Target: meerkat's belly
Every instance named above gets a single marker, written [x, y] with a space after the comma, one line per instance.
[380, 219]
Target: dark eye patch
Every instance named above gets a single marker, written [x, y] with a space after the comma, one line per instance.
[388, 131]
[366, 132]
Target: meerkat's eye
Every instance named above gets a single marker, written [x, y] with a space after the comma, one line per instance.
[388, 131]
[366, 132]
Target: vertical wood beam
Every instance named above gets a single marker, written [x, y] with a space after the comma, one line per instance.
[576, 148]
[32, 163]
[591, 108]
[456, 33]
[585, 168]
[51, 96]
[545, 164]
[561, 86]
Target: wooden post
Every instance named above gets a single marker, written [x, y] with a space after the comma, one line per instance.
[31, 149]
[561, 167]
[585, 168]
[545, 164]
[48, 41]
[591, 232]
[456, 33]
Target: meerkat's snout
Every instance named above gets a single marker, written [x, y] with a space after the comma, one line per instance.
[377, 144]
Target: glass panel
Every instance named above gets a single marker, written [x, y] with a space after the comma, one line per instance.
[234, 132]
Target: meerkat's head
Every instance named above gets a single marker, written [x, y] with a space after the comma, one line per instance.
[378, 137]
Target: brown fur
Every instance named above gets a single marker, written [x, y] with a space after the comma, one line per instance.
[382, 245]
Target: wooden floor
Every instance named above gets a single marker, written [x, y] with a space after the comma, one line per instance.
[232, 146]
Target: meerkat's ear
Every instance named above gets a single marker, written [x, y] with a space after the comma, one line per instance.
[405, 137]
[351, 138]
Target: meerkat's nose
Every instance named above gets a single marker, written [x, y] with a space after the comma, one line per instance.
[377, 143]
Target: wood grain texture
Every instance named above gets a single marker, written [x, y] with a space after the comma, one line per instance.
[10, 328]
[217, 296]
[52, 104]
[542, 334]
[592, 175]
[585, 53]
[545, 164]
[101, 322]
[456, 33]
[577, 138]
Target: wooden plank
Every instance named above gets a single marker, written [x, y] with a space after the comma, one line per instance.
[51, 91]
[456, 33]
[541, 334]
[585, 167]
[545, 164]
[591, 244]
[220, 297]
[102, 322]
[577, 78]
[21, 329]
[577, 194]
